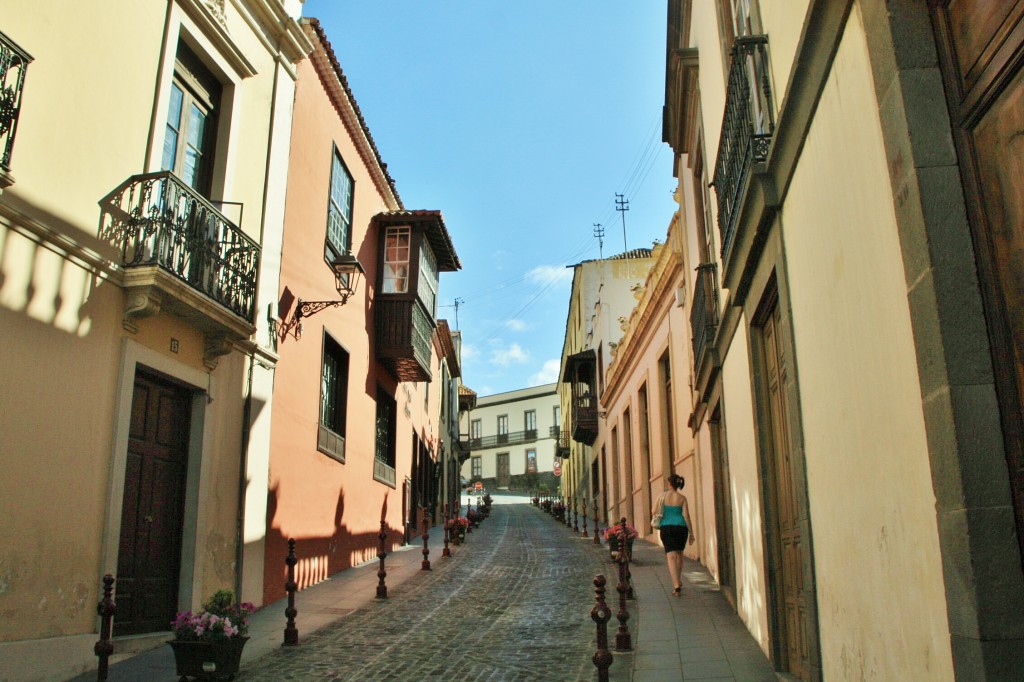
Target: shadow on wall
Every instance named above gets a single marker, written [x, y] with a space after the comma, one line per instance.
[53, 284]
[319, 557]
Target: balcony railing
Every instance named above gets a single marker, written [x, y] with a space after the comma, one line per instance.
[13, 63]
[747, 129]
[514, 438]
[158, 220]
[704, 311]
[562, 444]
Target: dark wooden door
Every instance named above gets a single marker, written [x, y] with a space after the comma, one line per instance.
[788, 569]
[723, 508]
[982, 55]
[503, 471]
[154, 502]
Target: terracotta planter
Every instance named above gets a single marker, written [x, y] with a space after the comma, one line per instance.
[208, 660]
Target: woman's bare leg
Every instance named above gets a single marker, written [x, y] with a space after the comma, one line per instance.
[675, 567]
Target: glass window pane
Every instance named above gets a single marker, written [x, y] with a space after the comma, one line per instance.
[173, 126]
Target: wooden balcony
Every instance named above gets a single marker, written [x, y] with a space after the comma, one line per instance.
[404, 330]
[580, 373]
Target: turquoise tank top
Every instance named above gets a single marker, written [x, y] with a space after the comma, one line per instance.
[672, 516]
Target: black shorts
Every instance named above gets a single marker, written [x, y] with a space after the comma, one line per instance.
[674, 538]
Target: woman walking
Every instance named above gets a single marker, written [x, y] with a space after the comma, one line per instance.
[675, 528]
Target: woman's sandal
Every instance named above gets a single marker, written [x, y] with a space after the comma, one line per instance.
[676, 591]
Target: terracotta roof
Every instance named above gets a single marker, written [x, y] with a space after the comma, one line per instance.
[437, 233]
[632, 253]
[444, 335]
[321, 36]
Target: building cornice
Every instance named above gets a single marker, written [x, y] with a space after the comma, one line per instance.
[333, 78]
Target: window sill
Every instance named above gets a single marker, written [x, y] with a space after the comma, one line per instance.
[382, 473]
[330, 443]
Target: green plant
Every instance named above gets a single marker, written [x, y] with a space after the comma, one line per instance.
[221, 618]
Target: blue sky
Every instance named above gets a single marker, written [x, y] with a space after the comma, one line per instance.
[520, 121]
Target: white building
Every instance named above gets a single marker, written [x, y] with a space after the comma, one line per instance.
[512, 439]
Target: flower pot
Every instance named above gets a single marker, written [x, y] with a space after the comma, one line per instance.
[613, 545]
[217, 660]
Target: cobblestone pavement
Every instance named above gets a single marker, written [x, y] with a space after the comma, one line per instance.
[512, 604]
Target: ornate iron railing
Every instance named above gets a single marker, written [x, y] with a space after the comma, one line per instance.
[513, 438]
[562, 445]
[747, 129]
[704, 311]
[13, 63]
[157, 219]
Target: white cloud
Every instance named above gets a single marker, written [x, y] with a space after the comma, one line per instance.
[516, 325]
[469, 352]
[548, 373]
[514, 354]
[549, 274]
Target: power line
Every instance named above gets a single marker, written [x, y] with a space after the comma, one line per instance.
[622, 205]
[599, 233]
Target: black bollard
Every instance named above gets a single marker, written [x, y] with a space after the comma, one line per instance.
[623, 640]
[601, 615]
[425, 564]
[575, 516]
[584, 505]
[291, 633]
[447, 528]
[105, 609]
[382, 588]
[597, 535]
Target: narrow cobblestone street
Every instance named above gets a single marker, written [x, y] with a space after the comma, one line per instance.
[512, 604]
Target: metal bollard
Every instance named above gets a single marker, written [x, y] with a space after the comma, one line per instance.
[584, 505]
[105, 609]
[575, 516]
[382, 588]
[623, 640]
[447, 527]
[601, 615]
[425, 564]
[291, 633]
[597, 527]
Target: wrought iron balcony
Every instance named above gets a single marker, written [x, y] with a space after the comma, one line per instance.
[704, 311]
[404, 329]
[502, 439]
[747, 129]
[562, 445]
[13, 63]
[158, 220]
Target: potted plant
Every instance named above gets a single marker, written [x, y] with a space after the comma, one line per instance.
[461, 524]
[611, 536]
[208, 645]
[474, 516]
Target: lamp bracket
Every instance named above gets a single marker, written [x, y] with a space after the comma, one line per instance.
[311, 308]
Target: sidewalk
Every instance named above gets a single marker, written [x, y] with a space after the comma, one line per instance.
[696, 636]
[317, 606]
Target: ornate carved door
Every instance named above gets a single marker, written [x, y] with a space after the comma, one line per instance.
[981, 45]
[787, 567]
[152, 514]
[503, 470]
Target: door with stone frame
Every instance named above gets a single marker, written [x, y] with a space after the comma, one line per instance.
[504, 477]
[153, 508]
[981, 50]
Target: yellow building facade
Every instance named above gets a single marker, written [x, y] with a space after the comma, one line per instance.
[853, 405]
[141, 210]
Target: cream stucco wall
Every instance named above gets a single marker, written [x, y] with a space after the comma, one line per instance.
[746, 489]
[871, 500]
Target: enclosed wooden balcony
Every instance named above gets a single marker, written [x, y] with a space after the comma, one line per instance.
[404, 330]
[580, 373]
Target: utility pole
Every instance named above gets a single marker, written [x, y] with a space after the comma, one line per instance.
[599, 233]
[622, 205]
[455, 304]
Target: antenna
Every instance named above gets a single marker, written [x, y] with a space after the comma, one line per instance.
[599, 233]
[622, 205]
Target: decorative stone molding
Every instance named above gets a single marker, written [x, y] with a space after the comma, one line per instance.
[140, 302]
